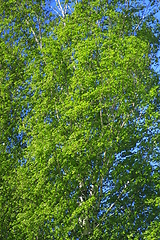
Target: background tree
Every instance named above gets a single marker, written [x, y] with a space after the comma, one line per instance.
[85, 99]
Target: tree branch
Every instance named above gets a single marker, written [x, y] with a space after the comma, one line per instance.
[36, 39]
[113, 204]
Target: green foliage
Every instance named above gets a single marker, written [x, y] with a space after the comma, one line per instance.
[79, 122]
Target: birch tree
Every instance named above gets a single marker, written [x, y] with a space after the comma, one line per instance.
[79, 77]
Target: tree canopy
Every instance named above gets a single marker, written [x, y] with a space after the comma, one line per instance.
[79, 120]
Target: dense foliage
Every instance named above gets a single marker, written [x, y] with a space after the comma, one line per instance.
[79, 111]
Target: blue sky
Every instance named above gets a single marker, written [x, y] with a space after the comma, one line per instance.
[158, 16]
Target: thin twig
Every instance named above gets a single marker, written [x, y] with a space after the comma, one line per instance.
[70, 8]
[60, 6]
[141, 19]
[55, 11]
[36, 39]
